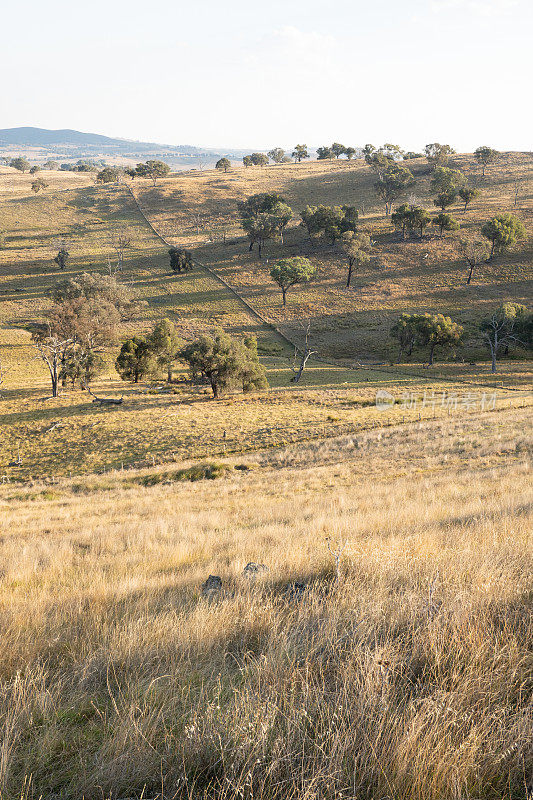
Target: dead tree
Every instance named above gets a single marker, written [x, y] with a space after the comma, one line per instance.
[305, 355]
[53, 350]
[120, 241]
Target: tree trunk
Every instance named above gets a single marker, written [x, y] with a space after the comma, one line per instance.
[251, 246]
[470, 274]
[350, 270]
[492, 249]
[431, 349]
[284, 293]
[169, 373]
[214, 388]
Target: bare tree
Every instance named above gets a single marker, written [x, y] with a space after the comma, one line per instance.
[305, 355]
[474, 252]
[53, 350]
[120, 241]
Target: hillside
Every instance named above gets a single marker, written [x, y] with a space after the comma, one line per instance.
[428, 275]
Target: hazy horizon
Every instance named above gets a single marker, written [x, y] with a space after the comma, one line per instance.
[238, 76]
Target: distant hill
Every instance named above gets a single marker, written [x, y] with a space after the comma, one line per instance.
[41, 137]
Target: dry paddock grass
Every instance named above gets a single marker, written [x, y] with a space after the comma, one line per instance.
[410, 679]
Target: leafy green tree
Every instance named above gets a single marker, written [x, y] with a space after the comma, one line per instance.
[349, 152]
[324, 153]
[436, 330]
[263, 216]
[445, 222]
[51, 165]
[131, 172]
[503, 231]
[300, 152]
[290, 271]
[62, 256]
[392, 182]
[401, 218]
[338, 149]
[225, 362]
[419, 219]
[34, 170]
[357, 248]
[445, 199]
[438, 154]
[108, 175]
[135, 359]
[99, 288]
[508, 324]
[281, 214]
[152, 169]
[180, 259]
[260, 229]
[405, 331]
[467, 195]
[164, 344]
[474, 252]
[247, 161]
[445, 179]
[276, 155]
[259, 159]
[258, 204]
[329, 221]
[485, 156]
[223, 164]
[22, 164]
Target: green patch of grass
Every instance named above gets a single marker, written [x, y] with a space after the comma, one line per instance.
[198, 472]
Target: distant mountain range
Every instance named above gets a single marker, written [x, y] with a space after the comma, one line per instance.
[70, 144]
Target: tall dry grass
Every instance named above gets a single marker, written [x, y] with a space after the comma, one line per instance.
[410, 678]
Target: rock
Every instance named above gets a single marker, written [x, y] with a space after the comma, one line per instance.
[295, 591]
[212, 586]
[252, 570]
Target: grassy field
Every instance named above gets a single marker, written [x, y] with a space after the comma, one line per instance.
[197, 209]
[409, 677]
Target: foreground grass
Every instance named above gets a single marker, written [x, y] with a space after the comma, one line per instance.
[409, 678]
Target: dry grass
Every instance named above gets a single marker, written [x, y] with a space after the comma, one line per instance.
[418, 275]
[410, 679]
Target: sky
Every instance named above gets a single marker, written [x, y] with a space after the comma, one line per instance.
[238, 74]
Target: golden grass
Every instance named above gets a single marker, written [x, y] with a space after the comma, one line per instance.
[409, 679]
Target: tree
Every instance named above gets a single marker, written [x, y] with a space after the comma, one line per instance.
[446, 179]
[262, 216]
[131, 172]
[225, 362]
[247, 161]
[473, 252]
[152, 169]
[349, 152]
[180, 259]
[164, 344]
[436, 330]
[62, 256]
[259, 229]
[120, 241]
[34, 170]
[101, 288]
[445, 222]
[22, 164]
[259, 159]
[467, 195]
[438, 154]
[485, 156]
[505, 326]
[392, 182]
[329, 221]
[223, 163]
[445, 199]
[300, 152]
[38, 185]
[108, 175]
[405, 331]
[51, 165]
[290, 271]
[53, 349]
[134, 360]
[401, 218]
[419, 219]
[281, 214]
[338, 149]
[503, 231]
[324, 153]
[357, 249]
[276, 155]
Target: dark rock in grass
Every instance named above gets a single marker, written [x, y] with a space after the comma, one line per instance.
[295, 591]
[252, 570]
[212, 586]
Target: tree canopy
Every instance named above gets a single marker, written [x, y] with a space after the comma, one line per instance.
[503, 231]
[223, 164]
[290, 271]
[485, 155]
[300, 152]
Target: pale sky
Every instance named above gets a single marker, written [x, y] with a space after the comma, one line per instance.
[274, 73]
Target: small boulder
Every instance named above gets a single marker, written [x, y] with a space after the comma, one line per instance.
[252, 570]
[213, 585]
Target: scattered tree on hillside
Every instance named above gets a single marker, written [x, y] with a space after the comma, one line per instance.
[135, 359]
[108, 175]
[120, 241]
[510, 323]
[474, 253]
[263, 216]
[260, 229]
[419, 219]
[503, 231]
[405, 331]
[357, 248]
[22, 164]
[349, 152]
[467, 195]
[485, 156]
[180, 259]
[329, 221]
[51, 165]
[259, 159]
[34, 170]
[53, 349]
[338, 149]
[300, 152]
[302, 356]
[436, 330]
[445, 199]
[152, 169]
[394, 180]
[324, 153]
[438, 154]
[164, 343]
[247, 161]
[38, 185]
[445, 222]
[62, 256]
[102, 288]
[225, 362]
[276, 155]
[445, 179]
[290, 271]
[223, 164]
